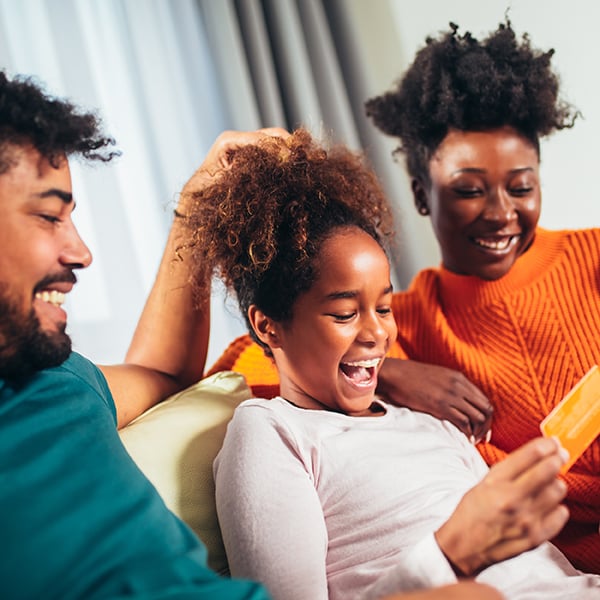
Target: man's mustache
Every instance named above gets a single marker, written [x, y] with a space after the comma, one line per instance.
[66, 276]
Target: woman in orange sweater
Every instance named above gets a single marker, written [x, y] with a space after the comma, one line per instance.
[511, 319]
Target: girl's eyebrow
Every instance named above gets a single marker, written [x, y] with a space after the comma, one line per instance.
[353, 293]
[342, 295]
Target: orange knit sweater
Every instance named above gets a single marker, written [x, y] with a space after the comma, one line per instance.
[524, 339]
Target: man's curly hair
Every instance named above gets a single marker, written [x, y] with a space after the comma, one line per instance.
[459, 82]
[54, 127]
[262, 223]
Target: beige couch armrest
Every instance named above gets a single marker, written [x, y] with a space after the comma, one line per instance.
[175, 443]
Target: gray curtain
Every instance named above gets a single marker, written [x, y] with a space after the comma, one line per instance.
[168, 76]
[304, 62]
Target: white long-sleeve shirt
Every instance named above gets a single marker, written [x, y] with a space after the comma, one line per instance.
[318, 505]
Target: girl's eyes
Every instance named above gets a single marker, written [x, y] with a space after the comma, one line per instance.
[344, 317]
[347, 316]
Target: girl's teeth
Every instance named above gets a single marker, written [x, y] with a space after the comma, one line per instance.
[53, 297]
[364, 363]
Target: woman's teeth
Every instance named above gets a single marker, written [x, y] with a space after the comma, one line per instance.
[501, 244]
[53, 297]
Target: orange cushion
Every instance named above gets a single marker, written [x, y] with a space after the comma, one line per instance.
[245, 356]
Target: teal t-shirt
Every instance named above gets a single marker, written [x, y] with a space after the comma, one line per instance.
[78, 519]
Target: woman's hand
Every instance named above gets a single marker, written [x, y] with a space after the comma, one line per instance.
[441, 392]
[514, 508]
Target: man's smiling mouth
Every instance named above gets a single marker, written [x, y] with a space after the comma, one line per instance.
[53, 297]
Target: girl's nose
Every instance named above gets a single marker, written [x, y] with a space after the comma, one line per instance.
[372, 330]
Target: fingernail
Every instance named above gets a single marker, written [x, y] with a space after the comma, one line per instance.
[472, 440]
[564, 454]
[488, 436]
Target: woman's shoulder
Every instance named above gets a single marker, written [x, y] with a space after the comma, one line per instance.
[577, 246]
[423, 290]
[424, 282]
[567, 236]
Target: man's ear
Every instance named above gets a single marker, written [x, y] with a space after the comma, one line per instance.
[266, 329]
[420, 196]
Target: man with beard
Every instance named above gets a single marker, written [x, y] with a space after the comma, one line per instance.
[78, 519]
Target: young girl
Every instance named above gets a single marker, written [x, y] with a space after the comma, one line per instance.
[326, 491]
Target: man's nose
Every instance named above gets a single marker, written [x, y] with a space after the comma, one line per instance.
[75, 252]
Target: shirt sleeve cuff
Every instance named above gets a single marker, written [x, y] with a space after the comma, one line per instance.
[420, 567]
[428, 565]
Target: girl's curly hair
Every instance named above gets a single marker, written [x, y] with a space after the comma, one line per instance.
[55, 127]
[261, 224]
[459, 82]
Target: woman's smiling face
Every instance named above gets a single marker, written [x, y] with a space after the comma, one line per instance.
[329, 354]
[484, 199]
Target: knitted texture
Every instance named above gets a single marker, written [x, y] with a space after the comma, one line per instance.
[248, 358]
[524, 340]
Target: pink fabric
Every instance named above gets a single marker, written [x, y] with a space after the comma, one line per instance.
[320, 505]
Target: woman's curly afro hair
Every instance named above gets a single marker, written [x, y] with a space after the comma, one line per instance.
[55, 127]
[459, 82]
[261, 224]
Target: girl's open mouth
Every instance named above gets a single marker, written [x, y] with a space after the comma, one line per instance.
[360, 372]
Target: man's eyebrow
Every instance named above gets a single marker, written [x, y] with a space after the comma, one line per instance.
[66, 197]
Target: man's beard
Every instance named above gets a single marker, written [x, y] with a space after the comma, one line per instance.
[24, 347]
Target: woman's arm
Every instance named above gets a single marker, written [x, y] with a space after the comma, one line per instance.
[439, 391]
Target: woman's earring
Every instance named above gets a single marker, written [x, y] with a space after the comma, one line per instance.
[423, 209]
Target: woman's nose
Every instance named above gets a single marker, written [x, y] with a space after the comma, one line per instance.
[499, 206]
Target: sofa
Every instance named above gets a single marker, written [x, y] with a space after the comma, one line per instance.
[175, 443]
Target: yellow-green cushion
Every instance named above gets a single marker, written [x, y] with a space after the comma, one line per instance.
[175, 443]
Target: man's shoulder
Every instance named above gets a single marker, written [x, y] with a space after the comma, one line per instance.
[76, 376]
[80, 367]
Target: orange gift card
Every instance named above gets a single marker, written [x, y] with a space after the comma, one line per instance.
[575, 420]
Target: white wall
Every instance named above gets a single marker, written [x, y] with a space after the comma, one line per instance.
[569, 157]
